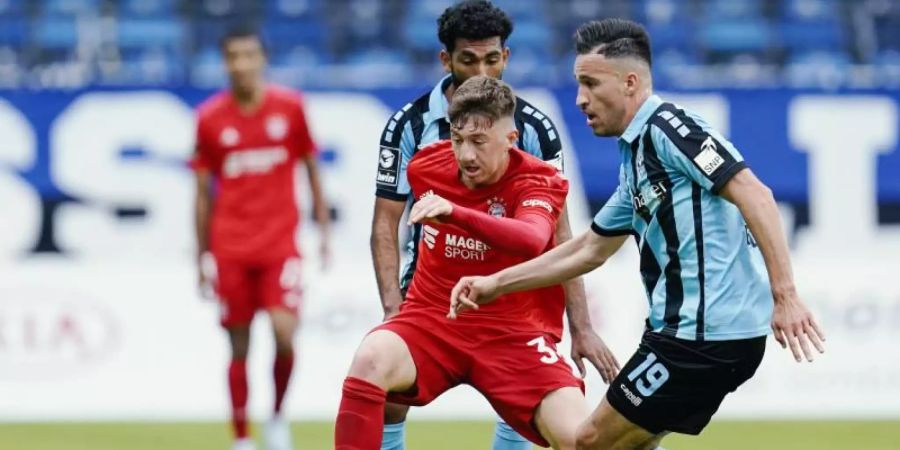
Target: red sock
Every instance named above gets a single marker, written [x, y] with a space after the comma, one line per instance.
[284, 365]
[360, 420]
[237, 385]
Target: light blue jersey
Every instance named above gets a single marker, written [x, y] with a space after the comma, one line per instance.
[423, 122]
[703, 272]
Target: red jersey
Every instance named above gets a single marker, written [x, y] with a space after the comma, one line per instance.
[448, 252]
[253, 156]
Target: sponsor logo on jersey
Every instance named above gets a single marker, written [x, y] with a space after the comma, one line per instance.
[463, 247]
[229, 137]
[388, 166]
[649, 197]
[538, 203]
[708, 160]
[276, 127]
[253, 161]
[430, 236]
[496, 207]
[634, 399]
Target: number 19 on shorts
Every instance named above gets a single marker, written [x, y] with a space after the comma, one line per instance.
[654, 375]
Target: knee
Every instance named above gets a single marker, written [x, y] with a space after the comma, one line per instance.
[394, 413]
[240, 343]
[368, 364]
[284, 345]
[587, 437]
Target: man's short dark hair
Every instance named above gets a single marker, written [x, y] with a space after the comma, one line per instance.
[486, 98]
[473, 20]
[241, 31]
[613, 38]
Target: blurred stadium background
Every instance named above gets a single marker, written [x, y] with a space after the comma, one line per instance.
[104, 343]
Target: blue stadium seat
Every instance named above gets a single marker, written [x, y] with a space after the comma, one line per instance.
[13, 31]
[420, 33]
[12, 7]
[738, 35]
[147, 8]
[165, 33]
[291, 9]
[812, 35]
[650, 12]
[810, 10]
[288, 34]
[533, 35]
[733, 9]
[55, 32]
[70, 7]
[207, 69]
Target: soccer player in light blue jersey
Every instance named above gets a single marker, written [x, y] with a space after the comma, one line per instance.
[714, 258]
[474, 34]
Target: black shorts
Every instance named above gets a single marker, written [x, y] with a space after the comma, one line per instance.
[677, 385]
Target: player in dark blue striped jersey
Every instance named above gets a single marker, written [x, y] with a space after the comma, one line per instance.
[714, 258]
[474, 34]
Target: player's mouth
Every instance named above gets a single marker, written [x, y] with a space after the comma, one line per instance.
[590, 118]
[471, 171]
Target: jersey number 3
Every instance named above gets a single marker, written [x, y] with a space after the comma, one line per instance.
[550, 354]
[655, 375]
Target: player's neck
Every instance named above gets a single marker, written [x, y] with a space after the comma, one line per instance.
[249, 101]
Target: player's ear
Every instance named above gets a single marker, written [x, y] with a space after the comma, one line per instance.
[632, 82]
[445, 60]
[512, 136]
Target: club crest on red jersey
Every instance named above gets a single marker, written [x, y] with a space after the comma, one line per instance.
[496, 207]
[276, 127]
[229, 137]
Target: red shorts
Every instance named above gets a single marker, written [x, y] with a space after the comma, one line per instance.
[243, 288]
[514, 370]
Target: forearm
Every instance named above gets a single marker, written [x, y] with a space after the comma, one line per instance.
[320, 206]
[577, 311]
[386, 258]
[564, 262]
[526, 236]
[202, 212]
[761, 214]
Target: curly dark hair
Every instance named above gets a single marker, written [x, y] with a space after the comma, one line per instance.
[613, 38]
[473, 19]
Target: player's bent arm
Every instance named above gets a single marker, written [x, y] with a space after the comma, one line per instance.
[202, 210]
[384, 244]
[576, 257]
[757, 204]
[525, 235]
[576, 300]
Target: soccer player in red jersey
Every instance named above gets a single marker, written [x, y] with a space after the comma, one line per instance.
[483, 205]
[250, 138]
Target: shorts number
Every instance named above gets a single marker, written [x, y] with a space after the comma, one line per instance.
[656, 375]
[551, 356]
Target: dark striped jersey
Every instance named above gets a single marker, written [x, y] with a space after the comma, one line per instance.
[424, 121]
[702, 270]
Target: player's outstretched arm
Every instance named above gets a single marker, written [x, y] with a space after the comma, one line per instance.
[526, 235]
[569, 260]
[384, 244]
[586, 344]
[320, 208]
[792, 323]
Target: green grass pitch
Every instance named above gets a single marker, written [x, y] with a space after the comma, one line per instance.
[435, 435]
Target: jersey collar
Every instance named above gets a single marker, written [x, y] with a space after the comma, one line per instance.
[640, 118]
[437, 102]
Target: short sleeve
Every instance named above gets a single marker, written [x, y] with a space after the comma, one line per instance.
[302, 141]
[395, 150]
[615, 218]
[686, 144]
[543, 195]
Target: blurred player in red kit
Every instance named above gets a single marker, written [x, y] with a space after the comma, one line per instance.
[483, 204]
[250, 139]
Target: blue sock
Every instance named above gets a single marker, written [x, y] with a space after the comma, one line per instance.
[394, 436]
[505, 438]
